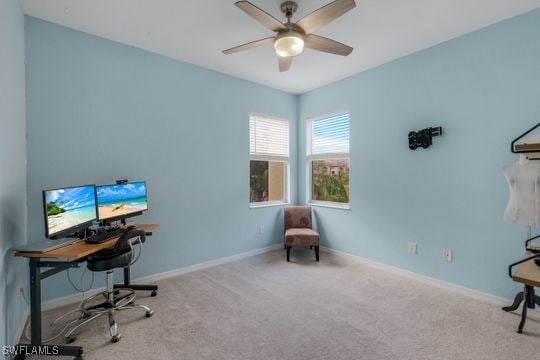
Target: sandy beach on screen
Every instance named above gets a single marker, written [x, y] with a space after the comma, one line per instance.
[68, 219]
[112, 211]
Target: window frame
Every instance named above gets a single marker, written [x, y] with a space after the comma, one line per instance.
[325, 156]
[286, 161]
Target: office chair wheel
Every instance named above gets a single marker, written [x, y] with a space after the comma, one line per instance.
[149, 313]
[153, 293]
[70, 339]
[116, 338]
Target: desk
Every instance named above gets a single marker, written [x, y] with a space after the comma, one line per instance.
[73, 254]
[528, 274]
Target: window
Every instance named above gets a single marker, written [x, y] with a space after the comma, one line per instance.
[328, 158]
[268, 160]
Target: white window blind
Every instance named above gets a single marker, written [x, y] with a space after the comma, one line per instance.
[329, 137]
[268, 138]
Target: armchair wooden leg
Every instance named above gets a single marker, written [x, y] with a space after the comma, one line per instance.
[317, 253]
[288, 253]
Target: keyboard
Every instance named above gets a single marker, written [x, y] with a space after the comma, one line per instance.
[99, 238]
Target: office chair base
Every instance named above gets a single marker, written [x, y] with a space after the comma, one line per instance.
[113, 328]
[89, 312]
[69, 337]
[116, 338]
[149, 312]
[118, 301]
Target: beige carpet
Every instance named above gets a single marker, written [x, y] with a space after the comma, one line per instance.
[265, 308]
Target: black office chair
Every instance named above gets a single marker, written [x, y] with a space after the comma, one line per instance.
[120, 256]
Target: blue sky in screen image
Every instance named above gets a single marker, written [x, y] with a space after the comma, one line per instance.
[107, 194]
[72, 198]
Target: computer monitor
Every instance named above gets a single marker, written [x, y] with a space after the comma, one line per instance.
[68, 210]
[121, 201]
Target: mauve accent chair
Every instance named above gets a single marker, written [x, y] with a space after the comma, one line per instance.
[298, 229]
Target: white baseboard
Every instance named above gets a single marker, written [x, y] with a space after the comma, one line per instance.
[75, 298]
[490, 298]
[208, 264]
[479, 295]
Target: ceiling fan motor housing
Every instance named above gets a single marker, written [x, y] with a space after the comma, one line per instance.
[288, 8]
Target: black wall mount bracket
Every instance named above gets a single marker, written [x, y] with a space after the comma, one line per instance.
[423, 138]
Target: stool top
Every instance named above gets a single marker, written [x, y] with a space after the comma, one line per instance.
[528, 273]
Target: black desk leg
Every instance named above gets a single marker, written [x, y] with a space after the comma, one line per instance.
[127, 284]
[35, 302]
[36, 346]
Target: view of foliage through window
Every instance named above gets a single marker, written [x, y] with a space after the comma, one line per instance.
[330, 180]
[258, 181]
[268, 159]
[266, 180]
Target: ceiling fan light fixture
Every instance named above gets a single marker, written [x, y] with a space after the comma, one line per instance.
[289, 44]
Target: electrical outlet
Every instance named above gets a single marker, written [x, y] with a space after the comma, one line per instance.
[261, 229]
[447, 255]
[412, 248]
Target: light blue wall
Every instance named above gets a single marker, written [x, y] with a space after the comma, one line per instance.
[13, 168]
[484, 90]
[100, 111]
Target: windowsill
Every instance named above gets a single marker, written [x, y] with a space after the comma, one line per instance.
[331, 205]
[267, 204]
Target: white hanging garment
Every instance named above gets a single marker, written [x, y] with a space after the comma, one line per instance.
[523, 179]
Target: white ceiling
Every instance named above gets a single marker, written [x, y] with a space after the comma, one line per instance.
[197, 31]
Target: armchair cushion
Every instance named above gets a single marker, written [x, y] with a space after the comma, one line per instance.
[301, 237]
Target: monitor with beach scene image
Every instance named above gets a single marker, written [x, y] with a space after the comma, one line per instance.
[121, 201]
[68, 210]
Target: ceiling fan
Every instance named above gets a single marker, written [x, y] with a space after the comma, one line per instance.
[291, 38]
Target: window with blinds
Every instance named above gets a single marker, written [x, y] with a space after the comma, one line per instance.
[328, 155]
[269, 159]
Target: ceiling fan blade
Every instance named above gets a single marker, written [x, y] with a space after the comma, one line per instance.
[325, 14]
[285, 63]
[320, 43]
[261, 16]
[249, 45]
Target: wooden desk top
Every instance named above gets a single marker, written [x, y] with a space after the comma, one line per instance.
[528, 273]
[80, 249]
